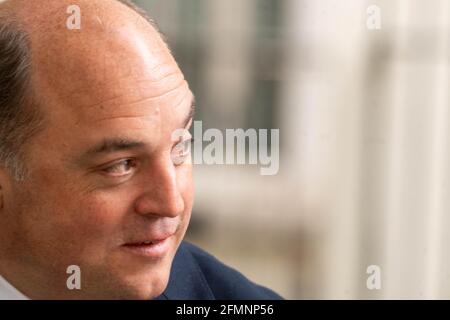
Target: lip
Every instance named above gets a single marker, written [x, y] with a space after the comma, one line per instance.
[156, 250]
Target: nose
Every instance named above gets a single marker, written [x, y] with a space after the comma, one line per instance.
[162, 195]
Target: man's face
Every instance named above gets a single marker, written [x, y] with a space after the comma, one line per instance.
[102, 178]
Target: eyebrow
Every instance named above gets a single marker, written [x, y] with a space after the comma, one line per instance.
[109, 145]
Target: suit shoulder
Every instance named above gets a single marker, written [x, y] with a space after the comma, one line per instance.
[225, 282]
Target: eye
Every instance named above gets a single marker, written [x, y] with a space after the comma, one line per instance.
[121, 168]
[181, 151]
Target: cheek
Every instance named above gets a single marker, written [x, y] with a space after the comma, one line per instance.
[101, 217]
[185, 182]
[83, 225]
[91, 228]
[187, 190]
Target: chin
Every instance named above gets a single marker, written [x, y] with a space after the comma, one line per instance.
[147, 290]
[145, 286]
[135, 278]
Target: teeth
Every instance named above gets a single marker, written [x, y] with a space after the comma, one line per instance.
[147, 242]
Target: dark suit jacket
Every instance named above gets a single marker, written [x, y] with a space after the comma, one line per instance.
[195, 274]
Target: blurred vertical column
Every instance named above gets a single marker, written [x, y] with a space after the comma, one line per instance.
[417, 135]
[438, 255]
[321, 114]
[228, 62]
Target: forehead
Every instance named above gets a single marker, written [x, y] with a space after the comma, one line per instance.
[140, 108]
[116, 54]
[130, 73]
[132, 86]
[130, 97]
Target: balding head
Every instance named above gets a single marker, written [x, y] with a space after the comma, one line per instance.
[104, 101]
[25, 27]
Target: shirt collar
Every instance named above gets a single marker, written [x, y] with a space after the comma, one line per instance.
[8, 292]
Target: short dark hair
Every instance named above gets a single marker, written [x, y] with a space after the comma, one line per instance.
[19, 117]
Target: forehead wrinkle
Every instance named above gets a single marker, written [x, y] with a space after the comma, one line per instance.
[139, 91]
[165, 77]
[157, 111]
[141, 117]
[130, 103]
[166, 67]
[183, 84]
[154, 117]
[183, 99]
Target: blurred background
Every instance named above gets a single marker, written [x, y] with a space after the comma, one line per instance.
[363, 113]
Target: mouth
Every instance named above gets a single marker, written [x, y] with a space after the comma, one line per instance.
[150, 248]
